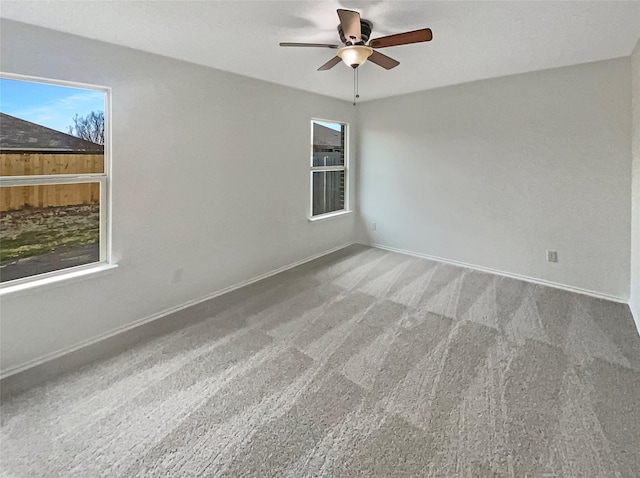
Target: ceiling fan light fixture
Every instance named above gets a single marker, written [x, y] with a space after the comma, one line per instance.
[354, 55]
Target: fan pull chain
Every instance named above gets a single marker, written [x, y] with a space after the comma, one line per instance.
[354, 86]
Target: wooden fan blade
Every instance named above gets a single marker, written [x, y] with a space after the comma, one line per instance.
[319, 45]
[407, 38]
[383, 60]
[350, 22]
[330, 64]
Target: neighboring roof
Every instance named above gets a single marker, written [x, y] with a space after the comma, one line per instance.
[19, 135]
[323, 136]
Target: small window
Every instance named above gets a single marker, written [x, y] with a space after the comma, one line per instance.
[328, 167]
[53, 177]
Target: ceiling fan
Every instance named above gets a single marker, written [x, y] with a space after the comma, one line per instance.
[354, 33]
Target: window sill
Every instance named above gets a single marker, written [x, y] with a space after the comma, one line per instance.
[55, 279]
[329, 215]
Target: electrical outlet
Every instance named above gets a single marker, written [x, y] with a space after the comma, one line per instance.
[373, 226]
[552, 256]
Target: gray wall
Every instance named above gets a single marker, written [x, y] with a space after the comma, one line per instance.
[210, 175]
[634, 301]
[494, 173]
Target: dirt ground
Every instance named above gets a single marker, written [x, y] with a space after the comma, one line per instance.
[38, 240]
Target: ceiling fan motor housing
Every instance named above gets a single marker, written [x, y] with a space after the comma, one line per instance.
[365, 32]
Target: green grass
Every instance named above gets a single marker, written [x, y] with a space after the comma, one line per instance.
[32, 232]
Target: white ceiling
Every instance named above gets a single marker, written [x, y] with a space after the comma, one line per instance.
[473, 40]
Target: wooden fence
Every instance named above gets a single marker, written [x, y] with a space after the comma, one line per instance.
[29, 164]
[328, 187]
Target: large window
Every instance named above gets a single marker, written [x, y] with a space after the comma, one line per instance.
[328, 167]
[53, 177]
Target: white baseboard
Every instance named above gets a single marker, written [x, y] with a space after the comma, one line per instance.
[119, 330]
[533, 280]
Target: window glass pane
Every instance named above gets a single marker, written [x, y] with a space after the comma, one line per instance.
[328, 159]
[328, 143]
[28, 164]
[50, 129]
[46, 228]
[328, 191]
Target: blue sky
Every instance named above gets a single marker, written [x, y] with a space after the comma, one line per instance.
[49, 105]
[334, 126]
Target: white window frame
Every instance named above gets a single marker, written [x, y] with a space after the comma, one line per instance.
[314, 169]
[104, 179]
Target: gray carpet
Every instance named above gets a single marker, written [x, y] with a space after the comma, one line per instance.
[363, 363]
